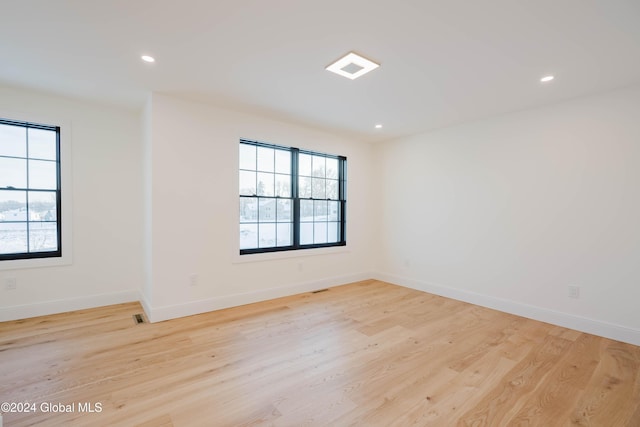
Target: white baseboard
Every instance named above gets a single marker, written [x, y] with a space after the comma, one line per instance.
[158, 314]
[582, 324]
[64, 305]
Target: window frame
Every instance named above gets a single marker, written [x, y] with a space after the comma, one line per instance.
[296, 199]
[21, 257]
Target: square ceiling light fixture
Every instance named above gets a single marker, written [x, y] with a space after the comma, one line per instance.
[352, 66]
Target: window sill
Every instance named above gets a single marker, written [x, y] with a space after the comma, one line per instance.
[23, 264]
[270, 256]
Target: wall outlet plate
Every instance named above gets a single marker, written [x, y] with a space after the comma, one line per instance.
[11, 284]
[574, 291]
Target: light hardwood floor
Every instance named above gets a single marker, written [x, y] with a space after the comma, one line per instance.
[365, 354]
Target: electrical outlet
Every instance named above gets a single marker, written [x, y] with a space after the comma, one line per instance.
[11, 284]
[193, 280]
[574, 291]
[300, 266]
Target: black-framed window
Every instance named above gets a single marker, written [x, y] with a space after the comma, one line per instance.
[30, 205]
[290, 198]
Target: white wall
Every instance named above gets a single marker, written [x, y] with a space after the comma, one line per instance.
[106, 191]
[194, 199]
[155, 201]
[507, 212]
[504, 212]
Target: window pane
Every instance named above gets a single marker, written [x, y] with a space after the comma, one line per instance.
[332, 232]
[306, 233]
[265, 184]
[248, 236]
[320, 210]
[42, 144]
[267, 235]
[248, 209]
[43, 174]
[284, 210]
[320, 232]
[28, 165]
[42, 206]
[247, 157]
[13, 205]
[333, 209]
[13, 238]
[304, 188]
[43, 237]
[266, 210]
[283, 161]
[332, 168]
[285, 234]
[247, 183]
[332, 189]
[13, 141]
[14, 173]
[267, 219]
[283, 185]
[266, 159]
[319, 166]
[319, 188]
[304, 165]
[306, 210]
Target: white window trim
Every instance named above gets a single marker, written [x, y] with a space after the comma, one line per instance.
[66, 178]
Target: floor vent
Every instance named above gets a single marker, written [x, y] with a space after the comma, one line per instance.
[138, 318]
[319, 290]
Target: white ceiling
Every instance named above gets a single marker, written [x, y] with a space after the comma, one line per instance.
[442, 62]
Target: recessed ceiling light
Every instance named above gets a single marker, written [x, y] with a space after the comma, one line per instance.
[352, 66]
[147, 58]
[378, 126]
[546, 79]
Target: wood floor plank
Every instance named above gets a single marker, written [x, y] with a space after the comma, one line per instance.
[559, 391]
[615, 378]
[436, 408]
[500, 405]
[364, 354]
